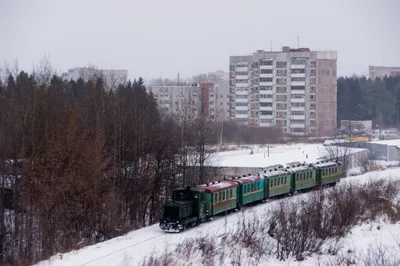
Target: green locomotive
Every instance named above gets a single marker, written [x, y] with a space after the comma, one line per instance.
[191, 206]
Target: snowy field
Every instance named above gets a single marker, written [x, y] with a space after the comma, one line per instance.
[278, 154]
[132, 248]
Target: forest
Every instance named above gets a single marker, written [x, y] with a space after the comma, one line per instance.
[86, 163]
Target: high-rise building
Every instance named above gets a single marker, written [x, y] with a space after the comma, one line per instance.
[293, 88]
[382, 71]
[113, 78]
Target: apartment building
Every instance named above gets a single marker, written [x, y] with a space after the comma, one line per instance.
[113, 78]
[293, 88]
[382, 71]
[207, 97]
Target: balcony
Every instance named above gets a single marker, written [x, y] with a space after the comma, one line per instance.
[297, 100]
[242, 69]
[266, 108]
[267, 83]
[269, 75]
[239, 100]
[266, 100]
[241, 92]
[298, 117]
[266, 66]
[297, 83]
[241, 108]
[298, 75]
[241, 116]
[297, 125]
[242, 77]
[298, 66]
[297, 108]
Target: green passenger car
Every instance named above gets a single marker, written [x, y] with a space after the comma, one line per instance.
[328, 173]
[221, 196]
[304, 177]
[250, 189]
[277, 182]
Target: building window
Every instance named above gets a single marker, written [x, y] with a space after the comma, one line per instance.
[281, 81]
[265, 112]
[265, 79]
[313, 81]
[266, 71]
[266, 63]
[298, 79]
[266, 121]
[297, 113]
[313, 63]
[262, 96]
[266, 104]
[298, 105]
[297, 96]
[281, 64]
[241, 65]
[298, 62]
[293, 88]
[297, 71]
[265, 88]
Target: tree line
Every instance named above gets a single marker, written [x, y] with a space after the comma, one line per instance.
[359, 98]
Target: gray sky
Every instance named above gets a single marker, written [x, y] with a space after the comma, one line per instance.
[152, 37]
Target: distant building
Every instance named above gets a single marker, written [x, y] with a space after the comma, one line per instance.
[113, 78]
[293, 88]
[382, 71]
[207, 97]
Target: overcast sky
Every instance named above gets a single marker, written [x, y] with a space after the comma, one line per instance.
[152, 37]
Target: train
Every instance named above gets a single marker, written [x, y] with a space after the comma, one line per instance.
[191, 206]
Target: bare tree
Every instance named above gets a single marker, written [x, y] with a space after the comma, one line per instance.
[338, 152]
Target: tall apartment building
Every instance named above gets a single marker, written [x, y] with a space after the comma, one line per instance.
[214, 99]
[293, 88]
[382, 71]
[113, 78]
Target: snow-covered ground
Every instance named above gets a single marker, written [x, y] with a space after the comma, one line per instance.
[133, 247]
[278, 154]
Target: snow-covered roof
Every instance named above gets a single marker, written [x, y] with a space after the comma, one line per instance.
[325, 164]
[273, 173]
[218, 185]
[391, 142]
[247, 179]
[298, 168]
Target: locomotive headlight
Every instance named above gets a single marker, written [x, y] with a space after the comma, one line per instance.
[177, 222]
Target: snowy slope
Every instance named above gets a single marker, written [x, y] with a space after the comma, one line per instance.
[133, 247]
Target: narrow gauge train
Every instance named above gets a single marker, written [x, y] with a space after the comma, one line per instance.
[191, 206]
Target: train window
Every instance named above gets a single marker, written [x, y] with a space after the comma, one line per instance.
[244, 189]
[278, 181]
[231, 193]
[285, 179]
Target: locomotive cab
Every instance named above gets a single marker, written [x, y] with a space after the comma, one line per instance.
[185, 208]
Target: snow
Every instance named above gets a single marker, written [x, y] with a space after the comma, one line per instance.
[223, 184]
[392, 142]
[279, 154]
[133, 247]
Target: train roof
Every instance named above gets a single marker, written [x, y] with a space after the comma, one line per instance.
[298, 167]
[217, 186]
[247, 179]
[269, 174]
[325, 164]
